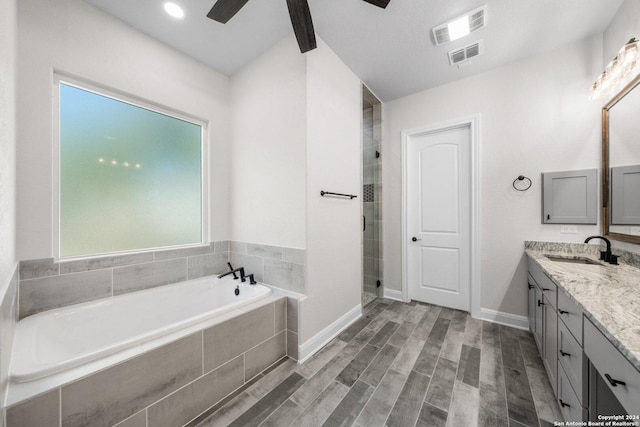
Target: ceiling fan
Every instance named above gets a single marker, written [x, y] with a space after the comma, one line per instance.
[299, 13]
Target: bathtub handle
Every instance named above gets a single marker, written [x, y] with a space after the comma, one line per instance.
[231, 269]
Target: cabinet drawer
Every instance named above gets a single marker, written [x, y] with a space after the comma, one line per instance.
[612, 364]
[570, 357]
[570, 314]
[548, 287]
[568, 401]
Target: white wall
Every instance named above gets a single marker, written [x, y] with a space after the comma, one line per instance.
[7, 142]
[536, 116]
[268, 104]
[624, 26]
[8, 299]
[296, 131]
[73, 37]
[334, 251]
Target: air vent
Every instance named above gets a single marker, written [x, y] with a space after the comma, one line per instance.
[441, 34]
[476, 19]
[466, 53]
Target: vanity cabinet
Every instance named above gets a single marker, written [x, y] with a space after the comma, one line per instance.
[588, 375]
[557, 328]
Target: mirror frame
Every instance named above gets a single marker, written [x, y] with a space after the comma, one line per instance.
[635, 83]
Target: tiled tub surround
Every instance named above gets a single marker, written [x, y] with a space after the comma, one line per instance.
[44, 343]
[45, 284]
[274, 265]
[170, 384]
[609, 295]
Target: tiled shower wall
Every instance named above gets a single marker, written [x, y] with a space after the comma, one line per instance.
[173, 384]
[372, 193]
[45, 284]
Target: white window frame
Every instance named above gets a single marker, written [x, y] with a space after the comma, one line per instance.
[60, 78]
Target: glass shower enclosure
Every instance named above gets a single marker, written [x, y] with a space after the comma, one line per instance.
[372, 196]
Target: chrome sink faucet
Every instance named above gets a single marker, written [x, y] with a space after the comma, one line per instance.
[605, 255]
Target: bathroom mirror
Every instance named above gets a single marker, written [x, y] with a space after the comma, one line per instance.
[621, 165]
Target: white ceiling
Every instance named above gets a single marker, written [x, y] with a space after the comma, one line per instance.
[390, 49]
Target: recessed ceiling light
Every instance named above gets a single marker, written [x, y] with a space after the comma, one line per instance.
[174, 10]
[459, 28]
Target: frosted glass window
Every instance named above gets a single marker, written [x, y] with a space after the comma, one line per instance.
[130, 177]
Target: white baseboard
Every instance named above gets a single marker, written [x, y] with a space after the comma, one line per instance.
[393, 294]
[319, 340]
[507, 319]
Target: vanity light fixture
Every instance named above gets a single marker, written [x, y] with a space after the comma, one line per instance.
[174, 10]
[626, 62]
[460, 26]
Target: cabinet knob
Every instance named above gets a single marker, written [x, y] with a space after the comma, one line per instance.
[614, 383]
[563, 404]
[415, 239]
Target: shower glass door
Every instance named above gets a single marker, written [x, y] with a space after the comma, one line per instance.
[372, 197]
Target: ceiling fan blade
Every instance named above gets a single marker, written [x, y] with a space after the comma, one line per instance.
[302, 24]
[224, 10]
[379, 3]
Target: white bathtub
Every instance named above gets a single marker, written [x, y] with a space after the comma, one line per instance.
[56, 340]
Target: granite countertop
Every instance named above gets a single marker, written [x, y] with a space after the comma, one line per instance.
[608, 294]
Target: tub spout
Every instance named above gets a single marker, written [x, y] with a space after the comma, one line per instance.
[237, 270]
[231, 270]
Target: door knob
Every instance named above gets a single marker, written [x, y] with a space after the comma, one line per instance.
[414, 239]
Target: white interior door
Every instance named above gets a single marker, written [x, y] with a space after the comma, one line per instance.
[439, 216]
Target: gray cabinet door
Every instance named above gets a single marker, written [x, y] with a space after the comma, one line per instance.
[537, 333]
[550, 346]
[625, 195]
[532, 305]
[570, 197]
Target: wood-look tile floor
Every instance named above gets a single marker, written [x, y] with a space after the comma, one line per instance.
[403, 365]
